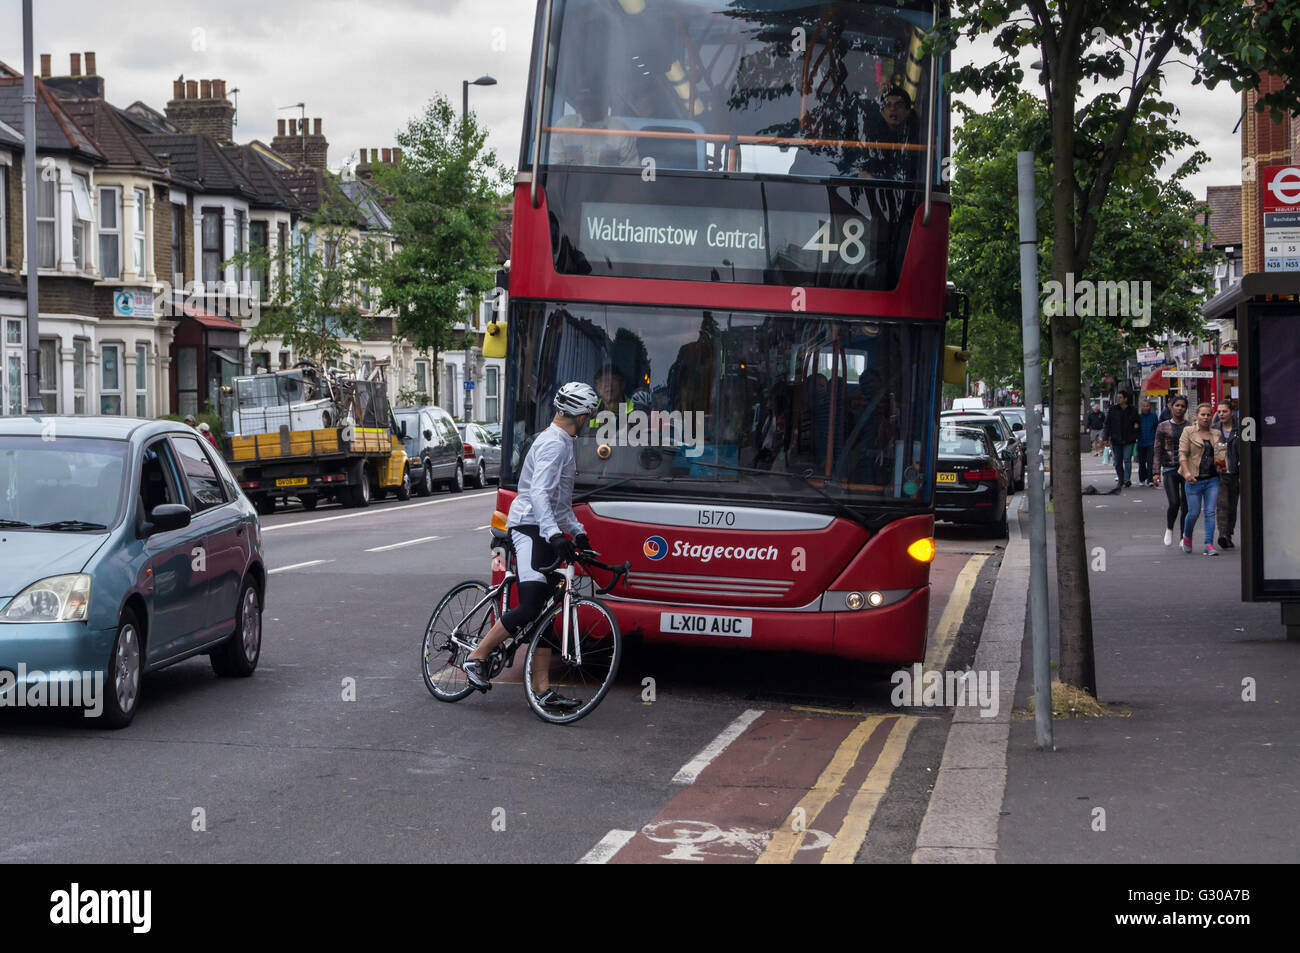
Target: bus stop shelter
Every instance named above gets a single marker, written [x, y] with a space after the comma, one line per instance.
[1267, 310]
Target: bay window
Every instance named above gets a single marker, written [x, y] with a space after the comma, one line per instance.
[82, 216]
[110, 379]
[142, 380]
[213, 246]
[141, 216]
[110, 233]
[49, 376]
[80, 359]
[47, 228]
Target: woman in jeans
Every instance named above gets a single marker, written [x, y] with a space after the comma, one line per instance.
[1201, 455]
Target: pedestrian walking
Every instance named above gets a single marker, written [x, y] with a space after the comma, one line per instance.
[1230, 479]
[1096, 424]
[1168, 433]
[1202, 456]
[1146, 443]
[1123, 430]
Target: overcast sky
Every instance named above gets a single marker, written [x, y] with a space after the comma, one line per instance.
[366, 68]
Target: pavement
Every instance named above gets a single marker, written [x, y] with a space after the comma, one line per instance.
[1199, 763]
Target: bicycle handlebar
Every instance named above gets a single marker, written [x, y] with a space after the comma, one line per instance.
[587, 558]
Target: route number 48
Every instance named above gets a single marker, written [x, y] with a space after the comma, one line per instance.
[850, 249]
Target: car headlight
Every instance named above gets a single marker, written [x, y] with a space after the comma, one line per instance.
[53, 599]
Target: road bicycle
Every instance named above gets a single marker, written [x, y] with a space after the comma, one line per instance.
[579, 630]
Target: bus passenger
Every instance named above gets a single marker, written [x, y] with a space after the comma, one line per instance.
[594, 148]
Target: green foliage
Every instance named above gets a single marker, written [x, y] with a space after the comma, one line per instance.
[314, 303]
[444, 199]
[1147, 232]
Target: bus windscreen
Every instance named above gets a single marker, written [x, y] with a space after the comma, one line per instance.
[766, 406]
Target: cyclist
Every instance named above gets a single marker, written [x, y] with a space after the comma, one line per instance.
[542, 509]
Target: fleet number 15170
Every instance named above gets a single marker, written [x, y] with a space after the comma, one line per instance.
[715, 518]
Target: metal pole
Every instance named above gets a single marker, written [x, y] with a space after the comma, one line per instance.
[34, 404]
[1034, 479]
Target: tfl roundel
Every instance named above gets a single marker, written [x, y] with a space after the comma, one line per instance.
[655, 547]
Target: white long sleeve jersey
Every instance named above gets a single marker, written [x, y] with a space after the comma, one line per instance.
[546, 486]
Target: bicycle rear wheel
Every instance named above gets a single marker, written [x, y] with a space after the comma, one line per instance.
[442, 658]
[595, 630]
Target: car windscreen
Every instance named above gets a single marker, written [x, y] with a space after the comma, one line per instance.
[968, 443]
[64, 483]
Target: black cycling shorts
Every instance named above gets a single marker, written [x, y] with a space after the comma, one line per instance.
[532, 553]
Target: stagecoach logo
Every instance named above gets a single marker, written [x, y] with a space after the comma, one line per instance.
[656, 548]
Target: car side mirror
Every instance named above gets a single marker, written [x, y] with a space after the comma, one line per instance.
[1017, 426]
[169, 516]
[428, 435]
[402, 432]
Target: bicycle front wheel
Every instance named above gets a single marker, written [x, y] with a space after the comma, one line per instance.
[590, 667]
[441, 657]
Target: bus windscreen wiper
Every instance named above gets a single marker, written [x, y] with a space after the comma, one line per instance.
[800, 477]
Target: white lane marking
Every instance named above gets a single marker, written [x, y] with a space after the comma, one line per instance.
[409, 542]
[477, 528]
[692, 769]
[609, 845]
[314, 562]
[393, 509]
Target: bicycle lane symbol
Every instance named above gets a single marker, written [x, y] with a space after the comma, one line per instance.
[701, 840]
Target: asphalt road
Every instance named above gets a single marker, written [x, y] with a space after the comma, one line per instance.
[334, 750]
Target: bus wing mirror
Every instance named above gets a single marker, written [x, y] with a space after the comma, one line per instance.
[954, 365]
[494, 340]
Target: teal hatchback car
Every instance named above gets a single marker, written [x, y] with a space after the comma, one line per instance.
[125, 546]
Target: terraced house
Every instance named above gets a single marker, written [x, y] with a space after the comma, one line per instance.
[140, 212]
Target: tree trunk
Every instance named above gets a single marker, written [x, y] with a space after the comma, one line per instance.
[1074, 607]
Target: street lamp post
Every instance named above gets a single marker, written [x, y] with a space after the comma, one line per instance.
[465, 84]
[34, 404]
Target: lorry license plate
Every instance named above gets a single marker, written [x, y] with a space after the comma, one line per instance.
[292, 481]
[695, 624]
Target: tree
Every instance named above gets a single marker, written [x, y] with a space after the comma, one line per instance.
[444, 201]
[1095, 146]
[1148, 232]
[313, 303]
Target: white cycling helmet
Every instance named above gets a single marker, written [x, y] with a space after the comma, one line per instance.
[576, 398]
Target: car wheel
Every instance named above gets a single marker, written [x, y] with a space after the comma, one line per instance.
[359, 495]
[480, 480]
[122, 686]
[427, 479]
[237, 656]
[308, 502]
[457, 484]
[403, 491]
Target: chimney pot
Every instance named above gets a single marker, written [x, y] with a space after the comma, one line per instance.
[90, 63]
[76, 64]
[316, 128]
[279, 127]
[374, 155]
[218, 89]
[191, 89]
[388, 157]
[205, 89]
[45, 66]
[397, 155]
[178, 88]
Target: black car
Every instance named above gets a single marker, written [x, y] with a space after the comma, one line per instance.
[971, 479]
[1010, 448]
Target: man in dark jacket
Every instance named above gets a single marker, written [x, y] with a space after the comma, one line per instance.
[1123, 427]
[1096, 424]
[1229, 482]
[1146, 444]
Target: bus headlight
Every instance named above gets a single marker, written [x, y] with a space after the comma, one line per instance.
[875, 599]
[922, 550]
[854, 600]
[53, 599]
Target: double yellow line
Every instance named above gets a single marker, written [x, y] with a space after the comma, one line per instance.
[787, 841]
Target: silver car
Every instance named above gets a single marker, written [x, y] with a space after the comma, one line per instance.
[482, 455]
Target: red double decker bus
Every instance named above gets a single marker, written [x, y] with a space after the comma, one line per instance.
[731, 217]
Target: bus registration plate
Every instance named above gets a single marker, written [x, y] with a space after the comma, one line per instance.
[695, 624]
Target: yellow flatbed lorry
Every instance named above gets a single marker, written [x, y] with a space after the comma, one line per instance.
[302, 434]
